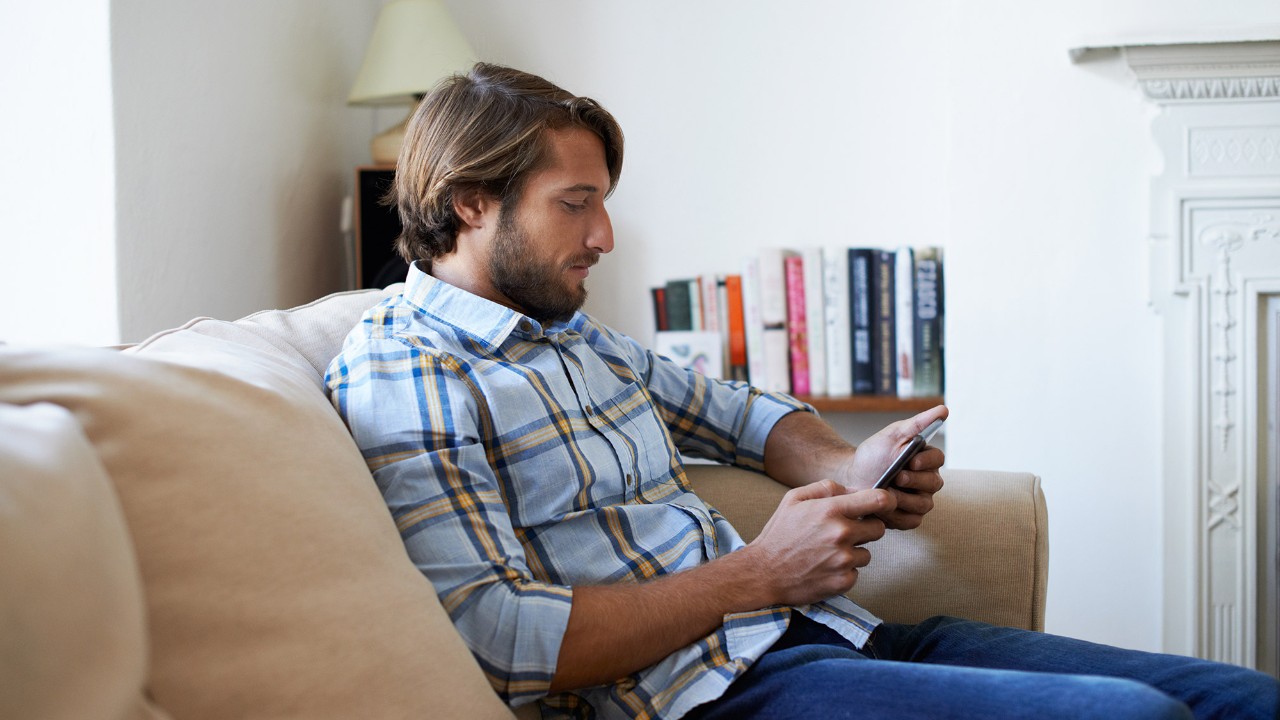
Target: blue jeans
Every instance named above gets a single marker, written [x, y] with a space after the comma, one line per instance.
[950, 668]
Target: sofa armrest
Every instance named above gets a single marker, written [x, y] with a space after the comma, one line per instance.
[982, 554]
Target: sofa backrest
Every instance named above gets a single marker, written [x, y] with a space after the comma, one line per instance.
[275, 580]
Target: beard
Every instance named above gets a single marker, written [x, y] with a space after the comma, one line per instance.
[538, 286]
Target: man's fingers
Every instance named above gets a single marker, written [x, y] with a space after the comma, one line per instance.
[865, 502]
[930, 458]
[813, 491]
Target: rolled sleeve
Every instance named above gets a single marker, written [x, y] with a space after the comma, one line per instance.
[422, 428]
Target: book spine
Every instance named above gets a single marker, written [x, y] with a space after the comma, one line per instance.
[722, 324]
[860, 298]
[710, 303]
[797, 325]
[659, 308]
[814, 304]
[753, 325]
[737, 329]
[928, 322]
[835, 288]
[884, 327]
[695, 304]
[679, 306]
[905, 320]
[777, 376]
[773, 316]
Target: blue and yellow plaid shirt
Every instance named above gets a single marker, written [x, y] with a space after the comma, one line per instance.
[520, 460]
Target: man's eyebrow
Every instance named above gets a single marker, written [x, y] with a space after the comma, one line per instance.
[581, 187]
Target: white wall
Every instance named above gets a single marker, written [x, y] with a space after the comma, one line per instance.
[954, 123]
[57, 198]
[234, 150]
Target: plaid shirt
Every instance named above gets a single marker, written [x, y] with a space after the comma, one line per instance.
[520, 460]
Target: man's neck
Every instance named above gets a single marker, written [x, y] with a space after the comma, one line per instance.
[466, 274]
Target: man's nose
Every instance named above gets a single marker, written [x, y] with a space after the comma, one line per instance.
[600, 238]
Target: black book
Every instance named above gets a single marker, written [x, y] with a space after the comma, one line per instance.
[679, 305]
[861, 273]
[884, 327]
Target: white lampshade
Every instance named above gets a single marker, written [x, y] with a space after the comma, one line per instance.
[414, 44]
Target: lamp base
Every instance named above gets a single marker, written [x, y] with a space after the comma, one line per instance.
[385, 147]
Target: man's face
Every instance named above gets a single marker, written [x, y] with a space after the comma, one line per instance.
[543, 248]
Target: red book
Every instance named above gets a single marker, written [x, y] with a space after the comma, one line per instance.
[797, 330]
[659, 308]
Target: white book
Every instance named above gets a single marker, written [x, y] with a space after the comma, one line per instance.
[835, 289]
[904, 306]
[712, 318]
[773, 287]
[695, 305]
[772, 276]
[710, 303]
[753, 326]
[814, 302]
[777, 360]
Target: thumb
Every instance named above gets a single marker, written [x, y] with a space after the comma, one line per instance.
[813, 491]
[914, 426]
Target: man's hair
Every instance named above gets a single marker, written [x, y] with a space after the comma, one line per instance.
[484, 130]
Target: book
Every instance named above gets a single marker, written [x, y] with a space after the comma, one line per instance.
[722, 322]
[904, 315]
[695, 305]
[835, 289]
[883, 324]
[797, 325]
[815, 313]
[737, 329]
[773, 317]
[860, 299]
[710, 291]
[679, 305]
[659, 295]
[692, 349]
[928, 337]
[753, 326]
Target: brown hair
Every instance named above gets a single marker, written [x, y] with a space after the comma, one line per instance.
[482, 130]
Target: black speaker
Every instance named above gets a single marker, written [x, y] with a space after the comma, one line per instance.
[377, 227]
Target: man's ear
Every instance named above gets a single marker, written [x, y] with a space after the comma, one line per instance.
[474, 206]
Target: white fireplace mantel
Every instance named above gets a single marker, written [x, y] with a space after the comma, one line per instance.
[1214, 262]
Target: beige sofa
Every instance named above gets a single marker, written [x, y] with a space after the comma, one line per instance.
[187, 531]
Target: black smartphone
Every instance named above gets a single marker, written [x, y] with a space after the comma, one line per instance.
[917, 444]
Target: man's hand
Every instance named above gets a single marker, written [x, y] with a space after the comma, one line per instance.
[811, 548]
[914, 487]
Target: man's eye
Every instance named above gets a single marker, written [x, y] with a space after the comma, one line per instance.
[571, 207]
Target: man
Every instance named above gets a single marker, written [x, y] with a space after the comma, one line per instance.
[529, 457]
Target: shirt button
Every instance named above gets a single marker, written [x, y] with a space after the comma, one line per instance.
[628, 478]
[525, 326]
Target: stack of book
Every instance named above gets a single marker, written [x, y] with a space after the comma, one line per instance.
[815, 322]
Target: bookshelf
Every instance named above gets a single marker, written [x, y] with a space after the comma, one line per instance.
[871, 403]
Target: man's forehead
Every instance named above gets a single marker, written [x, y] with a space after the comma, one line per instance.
[575, 161]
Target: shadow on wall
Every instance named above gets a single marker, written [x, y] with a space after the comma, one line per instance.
[310, 254]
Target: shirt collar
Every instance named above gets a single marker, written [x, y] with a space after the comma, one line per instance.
[483, 319]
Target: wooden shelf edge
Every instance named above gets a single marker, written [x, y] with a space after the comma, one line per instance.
[871, 403]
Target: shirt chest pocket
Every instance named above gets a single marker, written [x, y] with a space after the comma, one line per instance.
[640, 440]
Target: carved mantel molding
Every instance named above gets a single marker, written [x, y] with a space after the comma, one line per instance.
[1241, 66]
[1214, 252]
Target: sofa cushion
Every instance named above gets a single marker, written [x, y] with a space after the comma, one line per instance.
[276, 581]
[72, 632]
